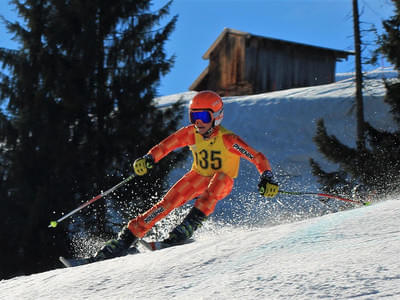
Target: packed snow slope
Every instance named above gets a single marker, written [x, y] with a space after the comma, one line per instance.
[349, 254]
[256, 248]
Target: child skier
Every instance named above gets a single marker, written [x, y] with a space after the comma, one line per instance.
[216, 155]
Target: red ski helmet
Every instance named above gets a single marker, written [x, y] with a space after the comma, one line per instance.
[210, 101]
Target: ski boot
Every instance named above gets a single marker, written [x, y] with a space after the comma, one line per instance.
[185, 230]
[117, 247]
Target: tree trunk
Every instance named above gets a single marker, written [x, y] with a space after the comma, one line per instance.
[359, 80]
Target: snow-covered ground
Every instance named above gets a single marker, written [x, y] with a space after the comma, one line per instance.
[253, 248]
[350, 254]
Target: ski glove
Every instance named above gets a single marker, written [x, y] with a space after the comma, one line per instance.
[143, 164]
[268, 187]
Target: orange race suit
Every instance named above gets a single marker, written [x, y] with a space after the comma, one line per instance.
[215, 165]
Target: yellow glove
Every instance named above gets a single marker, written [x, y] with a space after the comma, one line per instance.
[143, 164]
[268, 187]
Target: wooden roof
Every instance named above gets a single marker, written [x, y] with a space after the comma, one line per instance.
[338, 53]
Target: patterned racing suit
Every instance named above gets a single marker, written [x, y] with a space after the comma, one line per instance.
[215, 165]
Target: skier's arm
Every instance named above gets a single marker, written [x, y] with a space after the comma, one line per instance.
[267, 186]
[182, 137]
[236, 145]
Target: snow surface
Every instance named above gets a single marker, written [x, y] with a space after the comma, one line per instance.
[349, 254]
[253, 248]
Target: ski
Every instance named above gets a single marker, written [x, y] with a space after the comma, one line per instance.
[154, 246]
[74, 262]
[151, 246]
[80, 261]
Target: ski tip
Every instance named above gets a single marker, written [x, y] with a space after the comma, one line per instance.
[74, 262]
[65, 262]
[367, 203]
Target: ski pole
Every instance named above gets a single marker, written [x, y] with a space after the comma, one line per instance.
[53, 224]
[325, 195]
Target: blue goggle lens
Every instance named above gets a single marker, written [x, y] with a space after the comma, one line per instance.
[204, 116]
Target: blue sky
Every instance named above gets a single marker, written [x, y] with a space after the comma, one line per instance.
[325, 23]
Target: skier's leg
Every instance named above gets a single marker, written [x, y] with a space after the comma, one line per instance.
[219, 187]
[188, 187]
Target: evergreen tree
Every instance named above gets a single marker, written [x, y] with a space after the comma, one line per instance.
[80, 109]
[377, 168]
[389, 42]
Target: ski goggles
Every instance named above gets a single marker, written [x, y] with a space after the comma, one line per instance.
[203, 115]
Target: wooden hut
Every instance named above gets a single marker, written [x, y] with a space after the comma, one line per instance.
[243, 64]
